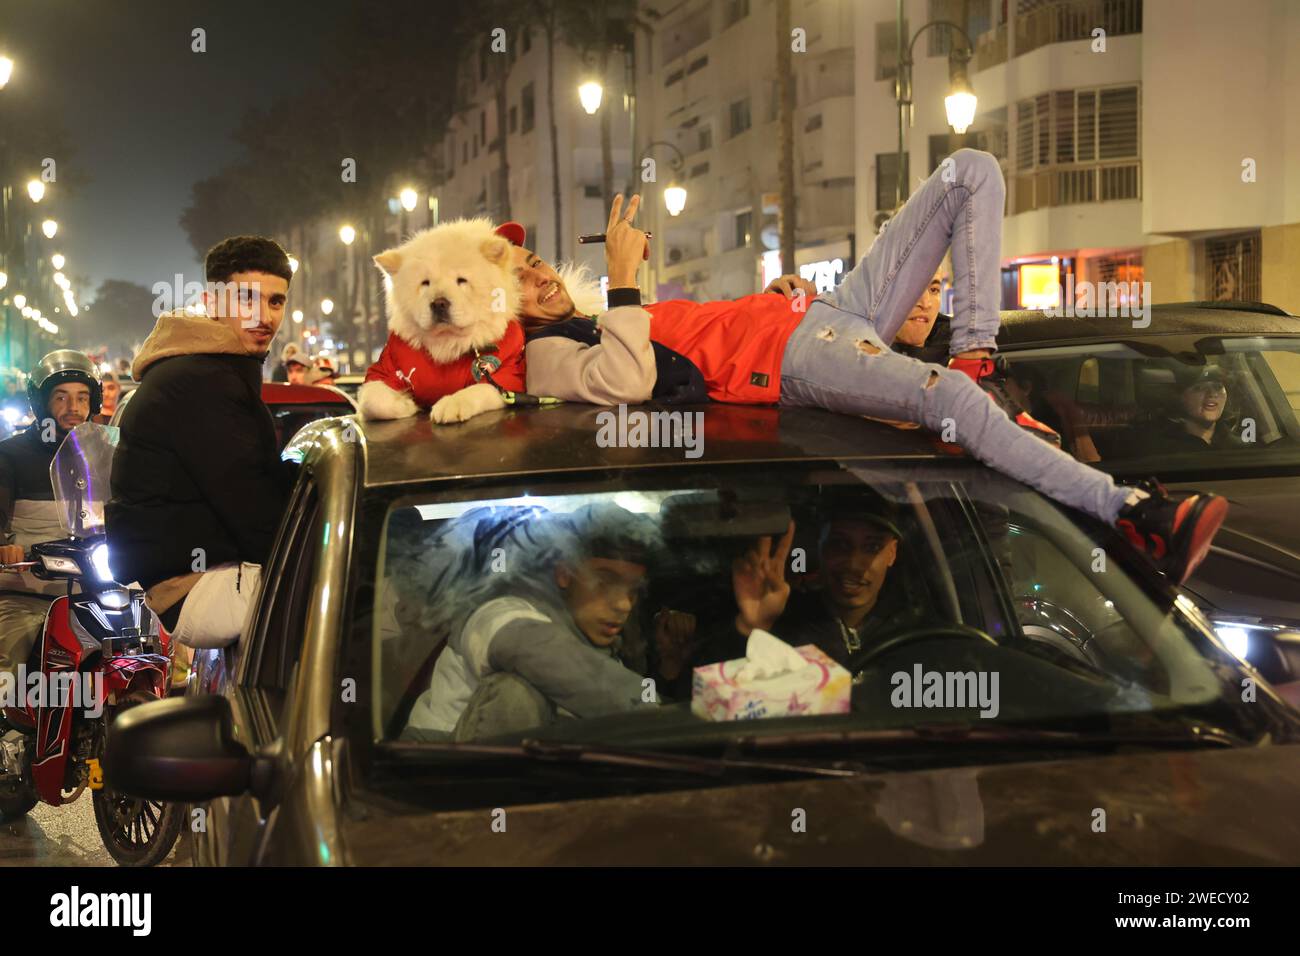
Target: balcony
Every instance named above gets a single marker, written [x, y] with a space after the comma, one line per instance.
[1069, 20]
[1072, 185]
[990, 48]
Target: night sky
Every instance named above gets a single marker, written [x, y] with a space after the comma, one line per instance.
[148, 116]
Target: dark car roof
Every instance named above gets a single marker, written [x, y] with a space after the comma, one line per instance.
[561, 438]
[1029, 326]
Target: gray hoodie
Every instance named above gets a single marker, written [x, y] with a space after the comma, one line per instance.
[529, 633]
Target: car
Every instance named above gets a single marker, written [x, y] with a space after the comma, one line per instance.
[349, 384]
[1112, 389]
[291, 406]
[1117, 699]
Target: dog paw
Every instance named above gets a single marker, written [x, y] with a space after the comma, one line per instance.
[375, 400]
[463, 405]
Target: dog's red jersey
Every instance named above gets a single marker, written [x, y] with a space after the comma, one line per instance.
[403, 368]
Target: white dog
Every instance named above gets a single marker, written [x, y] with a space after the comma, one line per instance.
[453, 344]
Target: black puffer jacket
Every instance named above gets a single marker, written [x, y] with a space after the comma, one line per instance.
[197, 471]
[25, 477]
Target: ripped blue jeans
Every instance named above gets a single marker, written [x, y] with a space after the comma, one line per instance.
[839, 359]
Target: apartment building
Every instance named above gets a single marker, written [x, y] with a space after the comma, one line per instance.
[707, 88]
[1124, 162]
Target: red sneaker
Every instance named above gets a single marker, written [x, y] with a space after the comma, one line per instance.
[1174, 532]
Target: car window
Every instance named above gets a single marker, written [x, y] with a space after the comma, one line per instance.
[551, 613]
[289, 419]
[1189, 406]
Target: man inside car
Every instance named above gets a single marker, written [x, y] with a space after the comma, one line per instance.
[547, 646]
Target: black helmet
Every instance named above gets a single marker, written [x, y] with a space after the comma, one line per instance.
[59, 368]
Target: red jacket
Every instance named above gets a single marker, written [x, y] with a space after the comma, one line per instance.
[402, 367]
[737, 346]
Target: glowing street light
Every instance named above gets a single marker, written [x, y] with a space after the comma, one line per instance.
[4, 279]
[347, 234]
[327, 306]
[49, 227]
[61, 281]
[20, 301]
[409, 198]
[57, 260]
[27, 312]
[36, 189]
[293, 265]
[6, 70]
[675, 199]
[590, 94]
[297, 315]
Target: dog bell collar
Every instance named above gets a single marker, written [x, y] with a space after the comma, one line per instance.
[513, 232]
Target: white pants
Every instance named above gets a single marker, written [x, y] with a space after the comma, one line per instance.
[217, 609]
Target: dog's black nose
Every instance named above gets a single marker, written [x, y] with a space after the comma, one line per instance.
[441, 309]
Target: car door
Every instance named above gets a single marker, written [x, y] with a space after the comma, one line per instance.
[263, 678]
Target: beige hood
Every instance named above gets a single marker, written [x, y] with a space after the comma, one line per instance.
[179, 334]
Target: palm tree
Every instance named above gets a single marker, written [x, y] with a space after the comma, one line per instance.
[785, 127]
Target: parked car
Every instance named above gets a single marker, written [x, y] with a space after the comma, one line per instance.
[1117, 395]
[1115, 692]
[292, 406]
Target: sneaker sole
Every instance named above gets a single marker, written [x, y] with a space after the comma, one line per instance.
[1206, 518]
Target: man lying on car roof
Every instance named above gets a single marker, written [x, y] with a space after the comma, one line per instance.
[834, 353]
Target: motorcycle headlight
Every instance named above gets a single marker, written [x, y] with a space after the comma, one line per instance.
[99, 560]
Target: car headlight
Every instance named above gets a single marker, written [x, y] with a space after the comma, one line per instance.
[99, 560]
[1234, 638]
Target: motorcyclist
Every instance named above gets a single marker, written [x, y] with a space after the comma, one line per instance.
[63, 391]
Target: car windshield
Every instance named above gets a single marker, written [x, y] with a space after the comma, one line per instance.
[1166, 406]
[620, 612]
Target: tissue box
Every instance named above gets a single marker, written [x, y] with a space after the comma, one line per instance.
[821, 687]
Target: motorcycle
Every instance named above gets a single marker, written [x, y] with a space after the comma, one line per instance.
[100, 643]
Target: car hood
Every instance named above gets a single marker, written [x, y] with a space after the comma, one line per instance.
[1253, 568]
[1183, 808]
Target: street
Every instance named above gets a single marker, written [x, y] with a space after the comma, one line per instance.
[63, 836]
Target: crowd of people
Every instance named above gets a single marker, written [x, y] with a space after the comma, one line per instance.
[179, 491]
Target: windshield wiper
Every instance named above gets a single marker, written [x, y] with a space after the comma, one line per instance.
[565, 752]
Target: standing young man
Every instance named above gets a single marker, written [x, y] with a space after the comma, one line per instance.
[198, 486]
[834, 352]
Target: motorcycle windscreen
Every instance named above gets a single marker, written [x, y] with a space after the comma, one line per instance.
[79, 474]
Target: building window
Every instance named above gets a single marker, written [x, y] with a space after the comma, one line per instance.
[482, 67]
[887, 179]
[514, 118]
[812, 123]
[464, 152]
[940, 39]
[706, 137]
[744, 229]
[734, 12]
[1077, 126]
[1232, 267]
[673, 77]
[739, 116]
[526, 107]
[697, 65]
[887, 48]
[482, 126]
[590, 191]
[528, 40]
[699, 169]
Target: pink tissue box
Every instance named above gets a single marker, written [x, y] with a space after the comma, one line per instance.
[823, 687]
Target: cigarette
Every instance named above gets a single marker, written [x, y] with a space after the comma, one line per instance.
[600, 237]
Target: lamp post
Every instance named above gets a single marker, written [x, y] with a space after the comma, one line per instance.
[674, 192]
[959, 103]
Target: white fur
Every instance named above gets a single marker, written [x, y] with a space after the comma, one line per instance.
[469, 401]
[583, 287]
[480, 307]
[377, 400]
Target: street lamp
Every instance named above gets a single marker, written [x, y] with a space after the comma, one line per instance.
[61, 281]
[49, 227]
[327, 306]
[4, 279]
[36, 189]
[959, 104]
[57, 260]
[20, 301]
[347, 234]
[293, 266]
[297, 315]
[674, 192]
[409, 198]
[590, 94]
[6, 70]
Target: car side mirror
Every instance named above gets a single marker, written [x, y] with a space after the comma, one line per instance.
[183, 748]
